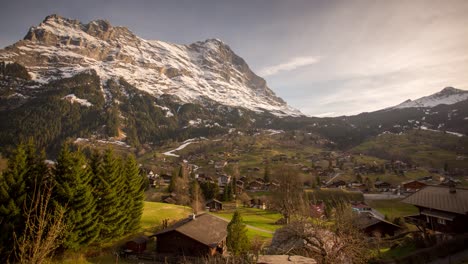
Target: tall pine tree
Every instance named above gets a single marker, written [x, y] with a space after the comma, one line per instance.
[13, 193]
[237, 241]
[109, 187]
[134, 194]
[23, 177]
[74, 191]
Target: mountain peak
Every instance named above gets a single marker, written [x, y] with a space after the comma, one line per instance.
[201, 72]
[451, 90]
[448, 96]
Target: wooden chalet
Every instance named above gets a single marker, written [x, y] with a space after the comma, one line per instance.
[441, 208]
[201, 235]
[224, 180]
[413, 186]
[214, 205]
[337, 184]
[256, 186]
[373, 226]
[382, 185]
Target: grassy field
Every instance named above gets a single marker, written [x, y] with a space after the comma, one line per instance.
[426, 148]
[393, 208]
[262, 219]
[155, 213]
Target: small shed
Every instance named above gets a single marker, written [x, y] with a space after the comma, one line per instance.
[214, 205]
[137, 245]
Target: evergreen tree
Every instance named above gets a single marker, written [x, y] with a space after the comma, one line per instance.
[37, 167]
[266, 175]
[210, 190]
[109, 186]
[318, 181]
[13, 193]
[172, 184]
[237, 241]
[181, 171]
[134, 194]
[73, 190]
[226, 193]
[197, 198]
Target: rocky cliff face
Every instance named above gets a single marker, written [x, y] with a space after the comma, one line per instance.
[200, 72]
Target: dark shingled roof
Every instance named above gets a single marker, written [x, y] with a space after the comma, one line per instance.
[364, 221]
[439, 198]
[213, 200]
[205, 228]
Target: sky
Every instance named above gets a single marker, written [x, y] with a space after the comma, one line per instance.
[325, 58]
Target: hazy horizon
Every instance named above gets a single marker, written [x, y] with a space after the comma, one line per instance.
[325, 58]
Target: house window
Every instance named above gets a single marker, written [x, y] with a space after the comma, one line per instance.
[441, 221]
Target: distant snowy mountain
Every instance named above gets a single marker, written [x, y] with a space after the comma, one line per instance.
[447, 96]
[197, 73]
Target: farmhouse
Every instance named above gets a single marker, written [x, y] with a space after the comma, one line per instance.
[201, 235]
[214, 205]
[441, 208]
[413, 186]
[224, 180]
[382, 186]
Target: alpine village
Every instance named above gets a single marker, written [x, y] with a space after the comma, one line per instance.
[119, 149]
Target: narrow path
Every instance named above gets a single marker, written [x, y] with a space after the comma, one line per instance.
[248, 226]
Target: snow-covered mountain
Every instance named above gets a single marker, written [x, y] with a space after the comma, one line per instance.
[447, 96]
[197, 73]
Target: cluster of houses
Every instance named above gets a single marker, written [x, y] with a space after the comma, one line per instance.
[404, 188]
[441, 208]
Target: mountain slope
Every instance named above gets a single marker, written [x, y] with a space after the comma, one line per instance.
[447, 96]
[197, 73]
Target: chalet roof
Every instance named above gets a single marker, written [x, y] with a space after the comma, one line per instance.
[213, 200]
[205, 228]
[139, 240]
[381, 182]
[415, 181]
[439, 198]
[366, 220]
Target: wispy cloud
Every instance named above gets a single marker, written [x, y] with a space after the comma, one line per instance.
[290, 65]
[327, 114]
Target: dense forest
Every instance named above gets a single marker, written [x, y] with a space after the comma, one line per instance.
[73, 203]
